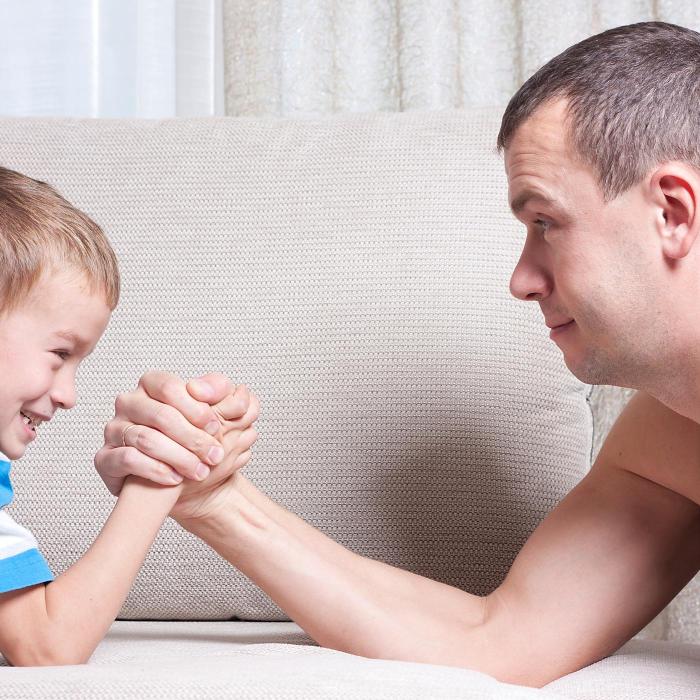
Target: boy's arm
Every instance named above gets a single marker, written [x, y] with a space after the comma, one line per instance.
[63, 621]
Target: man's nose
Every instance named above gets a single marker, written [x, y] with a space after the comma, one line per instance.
[530, 281]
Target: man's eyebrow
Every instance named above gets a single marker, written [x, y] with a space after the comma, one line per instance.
[521, 201]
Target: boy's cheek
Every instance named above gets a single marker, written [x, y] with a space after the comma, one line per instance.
[11, 444]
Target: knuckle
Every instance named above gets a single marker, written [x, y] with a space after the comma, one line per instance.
[190, 470]
[162, 469]
[162, 417]
[143, 441]
[153, 380]
[232, 437]
[202, 444]
[150, 378]
[120, 402]
[131, 457]
[170, 389]
[243, 458]
[202, 414]
[220, 376]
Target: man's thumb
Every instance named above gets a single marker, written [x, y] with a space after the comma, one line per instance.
[210, 388]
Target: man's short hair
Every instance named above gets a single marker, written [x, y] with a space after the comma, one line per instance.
[633, 99]
[41, 231]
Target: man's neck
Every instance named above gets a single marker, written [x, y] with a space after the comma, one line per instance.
[680, 392]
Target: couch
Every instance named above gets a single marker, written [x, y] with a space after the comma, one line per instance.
[353, 271]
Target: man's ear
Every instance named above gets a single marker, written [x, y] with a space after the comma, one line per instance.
[675, 188]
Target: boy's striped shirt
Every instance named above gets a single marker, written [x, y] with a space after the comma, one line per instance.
[21, 563]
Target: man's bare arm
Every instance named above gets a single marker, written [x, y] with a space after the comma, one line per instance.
[599, 568]
[614, 552]
[602, 564]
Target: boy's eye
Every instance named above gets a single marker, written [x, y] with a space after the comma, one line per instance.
[63, 354]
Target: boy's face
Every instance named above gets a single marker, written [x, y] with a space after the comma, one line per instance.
[42, 342]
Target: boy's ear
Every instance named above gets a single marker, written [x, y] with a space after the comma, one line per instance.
[674, 189]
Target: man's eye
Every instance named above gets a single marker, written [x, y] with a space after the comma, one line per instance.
[544, 225]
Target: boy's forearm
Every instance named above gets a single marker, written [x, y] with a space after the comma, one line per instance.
[82, 603]
[341, 599]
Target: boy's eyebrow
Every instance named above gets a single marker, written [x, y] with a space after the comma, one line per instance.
[71, 337]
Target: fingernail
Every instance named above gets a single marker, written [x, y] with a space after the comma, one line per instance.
[213, 427]
[215, 454]
[202, 471]
[202, 388]
[175, 477]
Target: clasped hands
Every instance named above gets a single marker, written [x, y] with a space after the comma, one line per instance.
[167, 429]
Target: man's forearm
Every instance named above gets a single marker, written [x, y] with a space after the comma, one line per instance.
[341, 599]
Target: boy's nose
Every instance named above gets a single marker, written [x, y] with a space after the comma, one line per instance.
[64, 395]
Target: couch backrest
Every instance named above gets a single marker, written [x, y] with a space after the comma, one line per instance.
[354, 272]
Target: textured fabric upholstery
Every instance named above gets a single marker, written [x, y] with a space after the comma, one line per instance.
[265, 660]
[354, 272]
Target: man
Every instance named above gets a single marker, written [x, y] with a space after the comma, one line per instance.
[602, 157]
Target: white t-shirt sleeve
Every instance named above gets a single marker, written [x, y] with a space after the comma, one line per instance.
[21, 563]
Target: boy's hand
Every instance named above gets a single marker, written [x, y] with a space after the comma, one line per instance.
[160, 431]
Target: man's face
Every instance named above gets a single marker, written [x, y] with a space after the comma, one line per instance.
[585, 261]
[42, 342]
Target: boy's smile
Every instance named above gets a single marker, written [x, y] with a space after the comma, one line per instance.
[42, 342]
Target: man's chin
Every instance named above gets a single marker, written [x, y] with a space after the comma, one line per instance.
[592, 370]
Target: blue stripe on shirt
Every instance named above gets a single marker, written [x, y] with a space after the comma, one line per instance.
[26, 568]
[5, 485]
[22, 570]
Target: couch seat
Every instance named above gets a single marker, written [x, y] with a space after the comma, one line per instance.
[157, 659]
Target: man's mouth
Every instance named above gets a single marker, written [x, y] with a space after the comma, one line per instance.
[557, 330]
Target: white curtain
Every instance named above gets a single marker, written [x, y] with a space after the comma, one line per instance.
[165, 58]
[313, 57]
[111, 58]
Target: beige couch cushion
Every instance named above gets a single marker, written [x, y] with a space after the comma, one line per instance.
[265, 660]
[354, 272]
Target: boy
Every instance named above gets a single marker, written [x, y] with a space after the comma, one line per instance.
[59, 283]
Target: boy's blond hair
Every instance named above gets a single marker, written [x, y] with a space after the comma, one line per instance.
[39, 229]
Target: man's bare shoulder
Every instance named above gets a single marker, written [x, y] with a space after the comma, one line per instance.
[651, 440]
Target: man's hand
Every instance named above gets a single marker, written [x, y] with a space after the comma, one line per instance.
[165, 429]
[200, 500]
